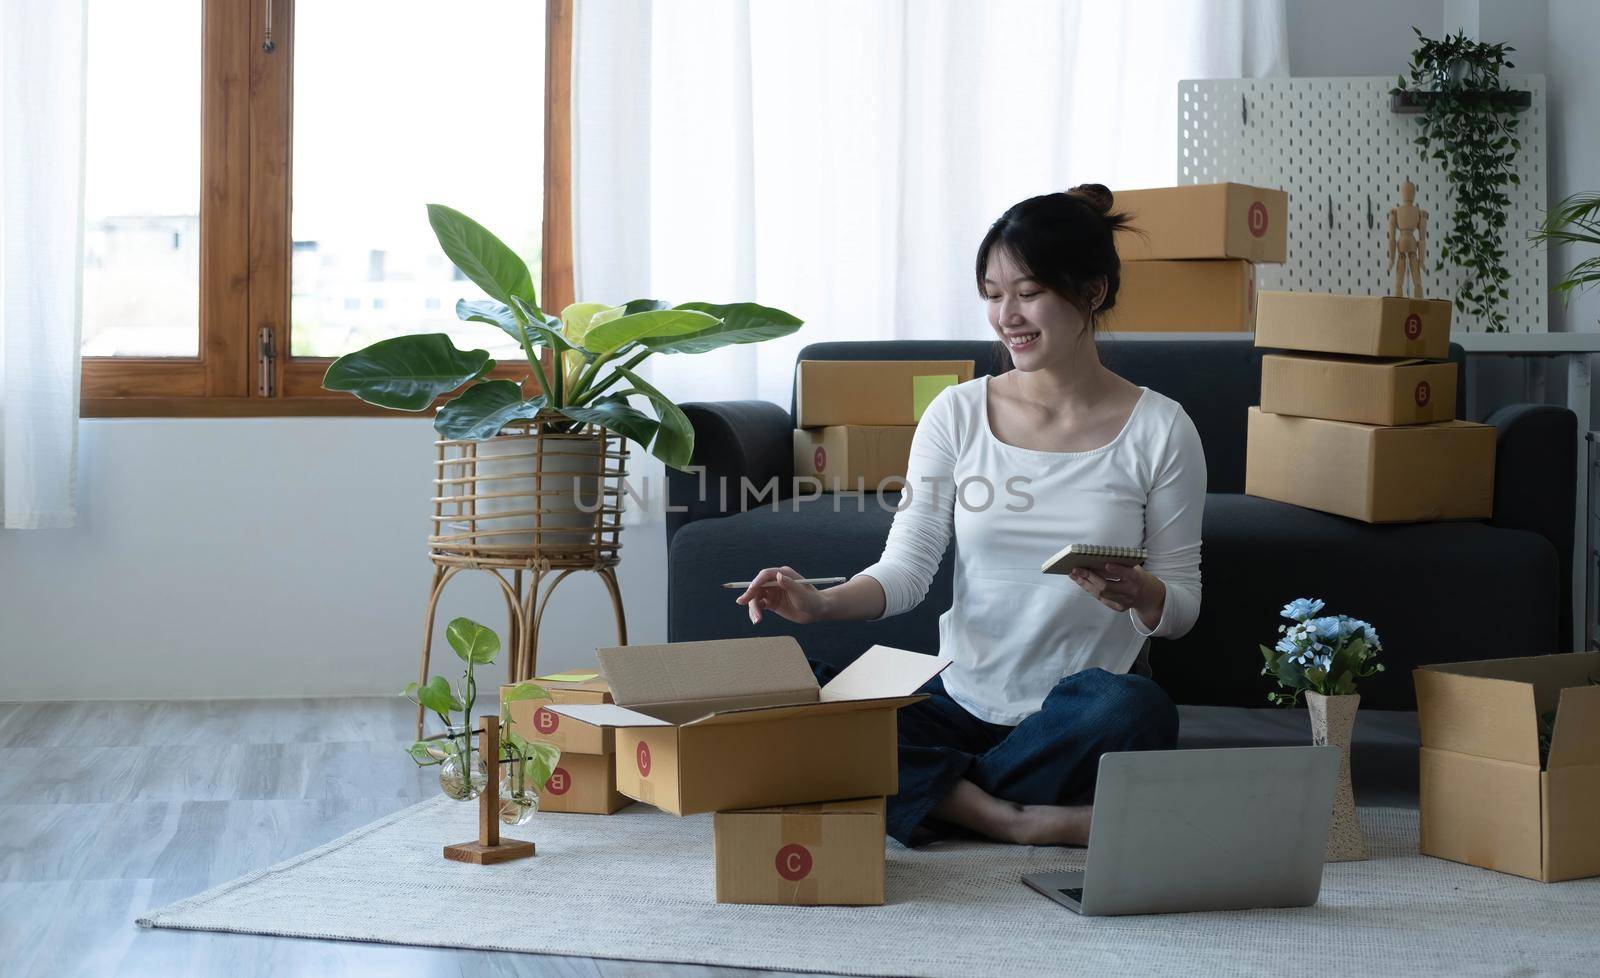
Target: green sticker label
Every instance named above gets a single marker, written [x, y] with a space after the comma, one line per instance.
[925, 387]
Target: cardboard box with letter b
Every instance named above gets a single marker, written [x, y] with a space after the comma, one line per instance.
[741, 723]
[1510, 764]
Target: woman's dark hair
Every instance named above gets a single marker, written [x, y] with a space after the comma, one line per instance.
[1063, 241]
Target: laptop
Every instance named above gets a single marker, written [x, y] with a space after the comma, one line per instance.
[1183, 830]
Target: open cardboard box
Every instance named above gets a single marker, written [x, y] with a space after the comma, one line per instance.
[1486, 799]
[741, 723]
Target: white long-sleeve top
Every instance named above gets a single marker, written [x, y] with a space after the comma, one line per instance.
[1012, 631]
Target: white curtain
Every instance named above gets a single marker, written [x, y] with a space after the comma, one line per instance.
[841, 159]
[41, 220]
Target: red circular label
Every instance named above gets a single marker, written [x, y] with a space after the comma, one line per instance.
[1258, 219]
[1413, 326]
[546, 722]
[642, 757]
[1424, 393]
[819, 458]
[793, 862]
[559, 781]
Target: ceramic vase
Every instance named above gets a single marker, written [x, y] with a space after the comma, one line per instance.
[1333, 720]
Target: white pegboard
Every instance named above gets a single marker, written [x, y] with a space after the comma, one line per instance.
[1336, 139]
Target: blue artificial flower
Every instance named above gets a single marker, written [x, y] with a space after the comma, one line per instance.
[1302, 608]
[1285, 645]
[1327, 627]
[1323, 662]
[1371, 635]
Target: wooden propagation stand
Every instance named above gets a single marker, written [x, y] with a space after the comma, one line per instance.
[489, 847]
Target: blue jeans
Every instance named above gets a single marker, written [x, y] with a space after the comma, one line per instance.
[1050, 758]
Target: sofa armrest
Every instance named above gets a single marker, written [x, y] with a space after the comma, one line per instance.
[743, 451]
[1536, 484]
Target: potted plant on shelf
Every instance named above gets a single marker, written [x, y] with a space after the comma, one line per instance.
[594, 351]
[1469, 126]
[1321, 658]
[524, 766]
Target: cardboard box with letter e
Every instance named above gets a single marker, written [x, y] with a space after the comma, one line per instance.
[741, 723]
[1204, 220]
[802, 855]
[853, 458]
[871, 392]
[1367, 391]
[1510, 764]
[1380, 474]
[534, 720]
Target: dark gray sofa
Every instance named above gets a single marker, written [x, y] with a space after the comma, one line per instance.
[1436, 592]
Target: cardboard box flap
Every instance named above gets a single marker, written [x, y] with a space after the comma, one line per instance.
[1548, 674]
[762, 714]
[881, 672]
[606, 715]
[1576, 740]
[1478, 715]
[724, 669]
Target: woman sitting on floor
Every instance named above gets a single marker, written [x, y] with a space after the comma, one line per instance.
[1058, 450]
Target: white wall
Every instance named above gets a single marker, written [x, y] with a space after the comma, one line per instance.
[263, 557]
[1574, 147]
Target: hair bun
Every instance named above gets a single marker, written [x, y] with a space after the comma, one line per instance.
[1096, 195]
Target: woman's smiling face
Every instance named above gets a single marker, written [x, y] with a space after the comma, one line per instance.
[1037, 325]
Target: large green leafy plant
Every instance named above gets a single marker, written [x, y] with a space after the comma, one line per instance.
[1469, 128]
[595, 350]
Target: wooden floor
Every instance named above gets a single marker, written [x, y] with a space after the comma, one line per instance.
[111, 809]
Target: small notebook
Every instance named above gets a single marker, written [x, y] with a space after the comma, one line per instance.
[1090, 555]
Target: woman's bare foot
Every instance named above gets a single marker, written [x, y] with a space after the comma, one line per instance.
[1051, 825]
[1028, 825]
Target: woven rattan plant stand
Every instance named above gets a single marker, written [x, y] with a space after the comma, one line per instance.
[532, 506]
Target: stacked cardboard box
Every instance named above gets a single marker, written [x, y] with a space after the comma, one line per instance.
[796, 773]
[585, 777]
[856, 417]
[1360, 421]
[1189, 264]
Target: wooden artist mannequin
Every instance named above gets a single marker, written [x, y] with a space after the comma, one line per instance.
[1408, 234]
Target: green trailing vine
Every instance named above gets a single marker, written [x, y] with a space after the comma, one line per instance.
[1469, 128]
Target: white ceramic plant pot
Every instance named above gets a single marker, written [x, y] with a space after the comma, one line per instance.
[1333, 721]
[562, 482]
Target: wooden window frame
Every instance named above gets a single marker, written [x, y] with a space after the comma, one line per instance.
[244, 368]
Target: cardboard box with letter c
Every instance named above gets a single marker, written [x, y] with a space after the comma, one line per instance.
[826, 854]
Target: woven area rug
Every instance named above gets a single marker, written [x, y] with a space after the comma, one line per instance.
[638, 885]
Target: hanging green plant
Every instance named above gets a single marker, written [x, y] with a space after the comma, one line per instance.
[1469, 128]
